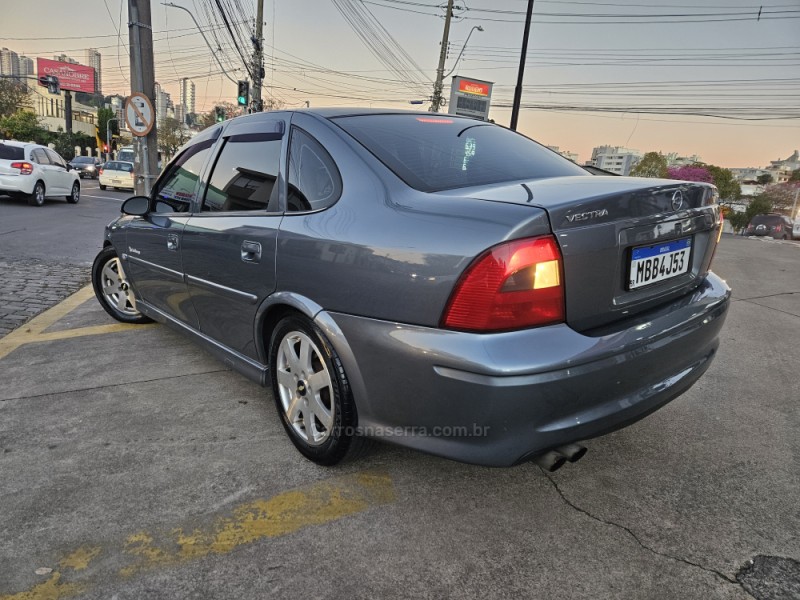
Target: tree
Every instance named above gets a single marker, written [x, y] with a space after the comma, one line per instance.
[690, 173]
[653, 164]
[171, 136]
[795, 175]
[104, 115]
[13, 97]
[24, 126]
[725, 180]
[764, 179]
[64, 143]
[207, 119]
[782, 195]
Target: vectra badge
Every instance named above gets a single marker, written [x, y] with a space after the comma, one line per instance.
[677, 200]
[585, 216]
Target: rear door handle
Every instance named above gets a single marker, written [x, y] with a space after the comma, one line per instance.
[251, 251]
[172, 241]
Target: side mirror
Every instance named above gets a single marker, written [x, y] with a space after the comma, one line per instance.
[136, 206]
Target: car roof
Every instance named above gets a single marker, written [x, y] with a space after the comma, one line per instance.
[333, 112]
[20, 144]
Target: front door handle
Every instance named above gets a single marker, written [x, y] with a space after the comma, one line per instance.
[172, 241]
[251, 251]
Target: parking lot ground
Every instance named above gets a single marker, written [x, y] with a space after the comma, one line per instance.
[133, 465]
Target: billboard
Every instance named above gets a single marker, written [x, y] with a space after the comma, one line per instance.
[470, 97]
[76, 78]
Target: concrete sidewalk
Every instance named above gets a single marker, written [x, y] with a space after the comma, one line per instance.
[133, 465]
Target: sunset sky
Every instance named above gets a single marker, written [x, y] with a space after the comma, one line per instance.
[647, 65]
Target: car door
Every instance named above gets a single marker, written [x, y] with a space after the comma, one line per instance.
[229, 246]
[152, 257]
[47, 171]
[61, 175]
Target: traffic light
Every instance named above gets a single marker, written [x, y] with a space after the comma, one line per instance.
[52, 83]
[219, 114]
[244, 93]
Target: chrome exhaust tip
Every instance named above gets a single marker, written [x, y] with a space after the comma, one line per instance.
[572, 452]
[550, 461]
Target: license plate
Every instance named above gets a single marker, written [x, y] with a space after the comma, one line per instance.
[117, 181]
[650, 264]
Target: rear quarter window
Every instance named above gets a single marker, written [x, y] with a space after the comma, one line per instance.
[11, 152]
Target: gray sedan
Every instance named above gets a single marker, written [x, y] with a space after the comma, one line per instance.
[440, 282]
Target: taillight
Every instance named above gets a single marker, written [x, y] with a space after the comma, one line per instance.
[511, 286]
[778, 228]
[25, 168]
[99, 172]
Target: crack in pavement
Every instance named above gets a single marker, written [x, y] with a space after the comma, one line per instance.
[766, 296]
[685, 561]
[113, 385]
[786, 312]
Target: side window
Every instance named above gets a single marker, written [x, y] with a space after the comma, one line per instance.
[40, 157]
[55, 159]
[177, 188]
[314, 181]
[245, 174]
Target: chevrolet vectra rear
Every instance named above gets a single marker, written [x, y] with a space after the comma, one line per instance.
[439, 282]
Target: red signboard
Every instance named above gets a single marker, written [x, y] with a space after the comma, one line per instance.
[76, 78]
[473, 87]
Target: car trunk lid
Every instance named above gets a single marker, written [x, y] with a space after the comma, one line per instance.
[622, 239]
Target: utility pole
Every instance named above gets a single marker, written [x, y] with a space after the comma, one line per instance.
[521, 73]
[437, 101]
[68, 111]
[143, 82]
[258, 59]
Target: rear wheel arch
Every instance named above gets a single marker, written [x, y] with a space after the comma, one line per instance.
[283, 304]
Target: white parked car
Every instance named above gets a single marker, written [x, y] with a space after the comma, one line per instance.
[117, 174]
[36, 172]
[796, 229]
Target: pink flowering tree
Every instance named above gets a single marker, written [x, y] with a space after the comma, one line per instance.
[690, 173]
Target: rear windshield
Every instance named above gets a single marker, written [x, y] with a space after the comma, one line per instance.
[11, 152]
[442, 152]
[119, 166]
[766, 220]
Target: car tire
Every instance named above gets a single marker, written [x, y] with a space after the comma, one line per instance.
[312, 393]
[112, 289]
[37, 197]
[102, 187]
[75, 196]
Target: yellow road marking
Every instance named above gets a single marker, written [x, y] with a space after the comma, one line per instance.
[32, 331]
[283, 514]
[79, 559]
[48, 590]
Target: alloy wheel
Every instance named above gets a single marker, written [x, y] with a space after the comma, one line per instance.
[115, 288]
[305, 388]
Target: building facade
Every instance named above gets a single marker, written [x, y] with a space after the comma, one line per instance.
[163, 103]
[9, 63]
[615, 159]
[94, 60]
[187, 95]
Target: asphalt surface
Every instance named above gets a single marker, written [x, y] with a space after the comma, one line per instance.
[133, 465]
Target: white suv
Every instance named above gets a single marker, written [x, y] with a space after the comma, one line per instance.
[36, 172]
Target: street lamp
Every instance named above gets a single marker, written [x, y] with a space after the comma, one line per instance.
[458, 58]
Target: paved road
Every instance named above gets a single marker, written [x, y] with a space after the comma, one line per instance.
[45, 252]
[134, 466]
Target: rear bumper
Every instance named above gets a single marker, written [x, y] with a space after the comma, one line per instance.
[498, 399]
[16, 184]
